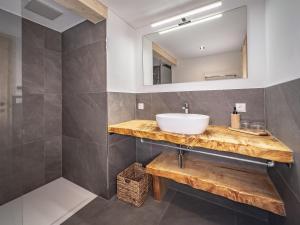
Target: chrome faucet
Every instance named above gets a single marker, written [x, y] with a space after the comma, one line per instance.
[186, 108]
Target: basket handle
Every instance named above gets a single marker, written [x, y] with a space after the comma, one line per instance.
[127, 180]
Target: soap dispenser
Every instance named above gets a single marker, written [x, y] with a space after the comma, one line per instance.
[235, 119]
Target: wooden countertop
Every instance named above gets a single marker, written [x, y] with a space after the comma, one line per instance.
[240, 184]
[215, 137]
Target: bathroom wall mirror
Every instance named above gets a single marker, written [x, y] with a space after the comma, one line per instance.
[210, 47]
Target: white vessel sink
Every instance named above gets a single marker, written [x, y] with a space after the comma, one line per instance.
[181, 123]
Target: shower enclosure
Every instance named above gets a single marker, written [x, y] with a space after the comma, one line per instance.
[36, 186]
[11, 160]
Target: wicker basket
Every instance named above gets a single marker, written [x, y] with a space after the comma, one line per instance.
[133, 185]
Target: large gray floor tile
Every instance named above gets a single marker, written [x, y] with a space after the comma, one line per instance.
[103, 212]
[175, 209]
[185, 209]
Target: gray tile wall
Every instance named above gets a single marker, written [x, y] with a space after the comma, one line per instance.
[10, 127]
[41, 153]
[85, 155]
[91, 158]
[121, 149]
[218, 104]
[121, 154]
[31, 149]
[121, 107]
[282, 113]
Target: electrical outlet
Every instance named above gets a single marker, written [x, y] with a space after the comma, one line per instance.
[240, 107]
[141, 106]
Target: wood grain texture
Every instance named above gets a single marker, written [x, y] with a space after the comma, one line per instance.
[164, 54]
[240, 184]
[159, 188]
[245, 58]
[215, 137]
[93, 10]
[250, 131]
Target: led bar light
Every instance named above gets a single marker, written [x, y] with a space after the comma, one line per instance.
[192, 23]
[190, 13]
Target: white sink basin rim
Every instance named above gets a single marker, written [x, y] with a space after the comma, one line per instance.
[181, 123]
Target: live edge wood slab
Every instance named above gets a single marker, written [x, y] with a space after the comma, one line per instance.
[240, 184]
[215, 137]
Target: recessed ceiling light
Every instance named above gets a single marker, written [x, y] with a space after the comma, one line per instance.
[192, 23]
[189, 13]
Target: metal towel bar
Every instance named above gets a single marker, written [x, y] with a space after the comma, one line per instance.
[189, 149]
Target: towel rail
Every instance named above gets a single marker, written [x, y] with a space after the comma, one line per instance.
[189, 149]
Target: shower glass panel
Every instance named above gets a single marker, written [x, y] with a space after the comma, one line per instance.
[11, 187]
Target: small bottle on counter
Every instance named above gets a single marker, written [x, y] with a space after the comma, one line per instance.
[235, 119]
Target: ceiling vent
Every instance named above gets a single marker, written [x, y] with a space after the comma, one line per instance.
[43, 9]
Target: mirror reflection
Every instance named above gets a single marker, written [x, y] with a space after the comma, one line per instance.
[211, 47]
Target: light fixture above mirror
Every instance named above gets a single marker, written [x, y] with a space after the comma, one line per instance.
[191, 23]
[188, 14]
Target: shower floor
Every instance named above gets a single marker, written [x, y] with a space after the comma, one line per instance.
[51, 204]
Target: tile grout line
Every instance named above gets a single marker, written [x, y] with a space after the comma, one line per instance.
[166, 209]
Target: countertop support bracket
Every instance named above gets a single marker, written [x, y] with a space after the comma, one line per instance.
[198, 151]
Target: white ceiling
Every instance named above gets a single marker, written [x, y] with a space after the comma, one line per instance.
[218, 36]
[67, 20]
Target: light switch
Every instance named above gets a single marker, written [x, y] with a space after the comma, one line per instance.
[18, 100]
[141, 106]
[240, 107]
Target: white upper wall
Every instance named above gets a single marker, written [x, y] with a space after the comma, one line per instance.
[195, 69]
[148, 61]
[121, 55]
[282, 40]
[14, 7]
[273, 51]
